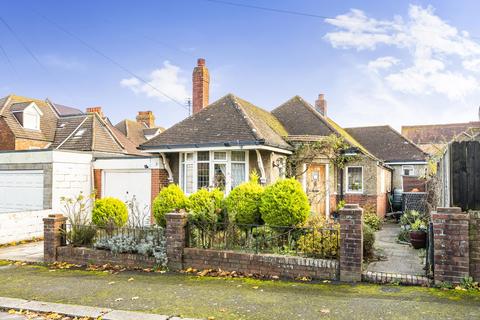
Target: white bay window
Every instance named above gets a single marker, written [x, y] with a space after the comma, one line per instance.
[213, 169]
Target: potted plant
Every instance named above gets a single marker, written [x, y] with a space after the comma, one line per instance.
[418, 234]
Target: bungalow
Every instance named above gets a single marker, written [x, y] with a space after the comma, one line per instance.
[406, 159]
[221, 143]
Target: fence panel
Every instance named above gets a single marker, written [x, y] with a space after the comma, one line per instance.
[465, 174]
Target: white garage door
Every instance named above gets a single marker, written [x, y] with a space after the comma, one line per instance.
[21, 190]
[124, 184]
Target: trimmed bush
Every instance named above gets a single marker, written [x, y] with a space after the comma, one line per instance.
[320, 242]
[109, 211]
[205, 206]
[243, 203]
[368, 241]
[373, 221]
[169, 199]
[284, 203]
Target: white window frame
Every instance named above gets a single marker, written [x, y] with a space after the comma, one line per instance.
[228, 174]
[409, 167]
[347, 190]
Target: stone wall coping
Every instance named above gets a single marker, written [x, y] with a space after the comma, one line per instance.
[175, 215]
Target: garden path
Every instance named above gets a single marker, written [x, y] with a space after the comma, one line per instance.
[399, 258]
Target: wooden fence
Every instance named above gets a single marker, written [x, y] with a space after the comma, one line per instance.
[465, 174]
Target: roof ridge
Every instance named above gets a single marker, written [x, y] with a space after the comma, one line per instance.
[110, 132]
[71, 133]
[406, 139]
[238, 106]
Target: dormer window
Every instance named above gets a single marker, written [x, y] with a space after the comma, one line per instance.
[27, 114]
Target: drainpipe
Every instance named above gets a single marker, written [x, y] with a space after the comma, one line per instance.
[166, 165]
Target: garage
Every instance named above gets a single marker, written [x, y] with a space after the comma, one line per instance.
[124, 184]
[21, 190]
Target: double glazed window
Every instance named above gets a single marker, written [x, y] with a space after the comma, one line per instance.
[408, 171]
[219, 169]
[355, 179]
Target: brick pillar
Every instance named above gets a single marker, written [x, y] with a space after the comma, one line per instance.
[451, 248]
[97, 182]
[176, 239]
[474, 226]
[351, 243]
[53, 236]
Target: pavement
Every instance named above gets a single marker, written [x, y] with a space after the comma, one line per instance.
[399, 258]
[74, 311]
[180, 295]
[28, 252]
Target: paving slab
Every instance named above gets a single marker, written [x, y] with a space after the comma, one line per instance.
[28, 252]
[66, 309]
[12, 303]
[130, 315]
[400, 258]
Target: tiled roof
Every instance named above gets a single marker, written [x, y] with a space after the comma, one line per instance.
[437, 133]
[229, 120]
[387, 144]
[302, 120]
[132, 130]
[48, 120]
[89, 132]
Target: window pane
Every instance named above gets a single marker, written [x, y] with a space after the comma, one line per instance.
[220, 155]
[354, 179]
[238, 156]
[203, 175]
[238, 174]
[203, 156]
[219, 177]
[188, 177]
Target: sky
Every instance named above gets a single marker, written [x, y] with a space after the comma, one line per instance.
[405, 63]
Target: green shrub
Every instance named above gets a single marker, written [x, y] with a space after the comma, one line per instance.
[205, 207]
[372, 220]
[284, 203]
[109, 212]
[169, 199]
[368, 241]
[81, 235]
[243, 203]
[320, 243]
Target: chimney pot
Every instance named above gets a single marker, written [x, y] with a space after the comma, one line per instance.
[200, 86]
[321, 104]
[147, 118]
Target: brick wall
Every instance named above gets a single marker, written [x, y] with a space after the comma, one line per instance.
[159, 180]
[27, 144]
[377, 202]
[264, 264]
[474, 230]
[7, 139]
[84, 256]
[351, 243]
[53, 236]
[451, 245]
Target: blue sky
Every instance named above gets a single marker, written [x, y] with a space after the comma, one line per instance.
[405, 63]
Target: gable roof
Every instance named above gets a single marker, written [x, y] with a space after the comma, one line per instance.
[228, 121]
[437, 133]
[387, 144]
[88, 132]
[48, 121]
[63, 110]
[304, 123]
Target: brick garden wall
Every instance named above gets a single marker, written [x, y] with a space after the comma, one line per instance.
[265, 264]
[474, 234]
[378, 202]
[85, 256]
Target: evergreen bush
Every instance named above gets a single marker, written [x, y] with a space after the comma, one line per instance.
[169, 199]
[109, 212]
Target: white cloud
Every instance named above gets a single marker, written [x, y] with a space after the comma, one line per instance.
[440, 58]
[166, 80]
[382, 63]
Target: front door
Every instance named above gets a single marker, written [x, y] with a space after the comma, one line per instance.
[316, 187]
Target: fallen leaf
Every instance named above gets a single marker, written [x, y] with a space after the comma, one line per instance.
[134, 298]
[119, 299]
[130, 279]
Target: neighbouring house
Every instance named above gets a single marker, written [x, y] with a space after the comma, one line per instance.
[434, 138]
[222, 142]
[141, 129]
[50, 151]
[406, 159]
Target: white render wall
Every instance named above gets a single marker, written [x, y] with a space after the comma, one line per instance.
[16, 226]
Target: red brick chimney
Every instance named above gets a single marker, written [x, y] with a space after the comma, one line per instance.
[321, 104]
[201, 82]
[97, 110]
[147, 118]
